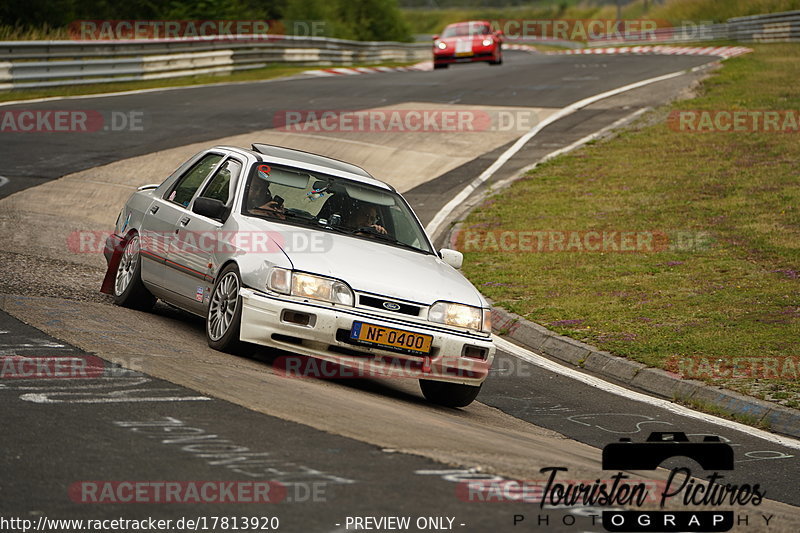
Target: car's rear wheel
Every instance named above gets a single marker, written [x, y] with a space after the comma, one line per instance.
[129, 291]
[224, 316]
[448, 394]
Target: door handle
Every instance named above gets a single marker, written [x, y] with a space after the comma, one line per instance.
[154, 210]
[185, 220]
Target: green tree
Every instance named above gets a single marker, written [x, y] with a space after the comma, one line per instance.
[62, 12]
[366, 20]
[363, 20]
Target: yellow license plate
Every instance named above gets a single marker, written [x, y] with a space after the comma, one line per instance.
[393, 338]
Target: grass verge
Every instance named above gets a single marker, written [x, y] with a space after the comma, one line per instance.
[266, 73]
[717, 294]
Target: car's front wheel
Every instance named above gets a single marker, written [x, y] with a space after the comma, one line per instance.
[224, 316]
[437, 66]
[129, 291]
[448, 394]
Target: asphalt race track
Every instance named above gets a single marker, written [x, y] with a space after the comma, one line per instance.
[341, 448]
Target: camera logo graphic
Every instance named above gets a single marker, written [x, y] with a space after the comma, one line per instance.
[710, 453]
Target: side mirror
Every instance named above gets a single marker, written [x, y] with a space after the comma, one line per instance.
[454, 258]
[435, 37]
[209, 207]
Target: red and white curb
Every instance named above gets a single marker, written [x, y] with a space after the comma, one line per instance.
[521, 47]
[725, 52]
[720, 51]
[350, 71]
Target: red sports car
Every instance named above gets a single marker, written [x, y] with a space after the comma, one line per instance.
[465, 42]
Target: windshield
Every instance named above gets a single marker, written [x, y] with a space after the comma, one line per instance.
[328, 203]
[464, 30]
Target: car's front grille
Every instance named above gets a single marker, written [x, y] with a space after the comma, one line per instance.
[389, 305]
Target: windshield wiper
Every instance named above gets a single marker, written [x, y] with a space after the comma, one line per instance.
[337, 229]
[292, 214]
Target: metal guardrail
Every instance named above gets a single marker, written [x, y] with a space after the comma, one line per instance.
[33, 64]
[770, 28]
[775, 27]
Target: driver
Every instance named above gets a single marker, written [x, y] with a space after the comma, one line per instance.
[366, 216]
[260, 200]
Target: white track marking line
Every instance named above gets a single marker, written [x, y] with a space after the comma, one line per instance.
[3, 180]
[45, 398]
[577, 144]
[580, 142]
[441, 216]
[538, 360]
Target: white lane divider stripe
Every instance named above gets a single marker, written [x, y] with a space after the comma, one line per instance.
[3, 180]
[441, 216]
[536, 359]
[577, 144]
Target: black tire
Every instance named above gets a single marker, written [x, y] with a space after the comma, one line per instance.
[437, 66]
[448, 394]
[223, 334]
[129, 291]
[498, 62]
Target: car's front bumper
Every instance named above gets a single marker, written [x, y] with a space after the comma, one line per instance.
[448, 56]
[268, 320]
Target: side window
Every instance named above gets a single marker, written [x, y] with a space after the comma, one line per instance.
[219, 187]
[188, 184]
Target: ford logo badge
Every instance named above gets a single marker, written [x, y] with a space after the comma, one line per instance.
[391, 306]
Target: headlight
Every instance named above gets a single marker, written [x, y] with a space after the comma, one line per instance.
[488, 42]
[462, 316]
[309, 286]
[441, 45]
